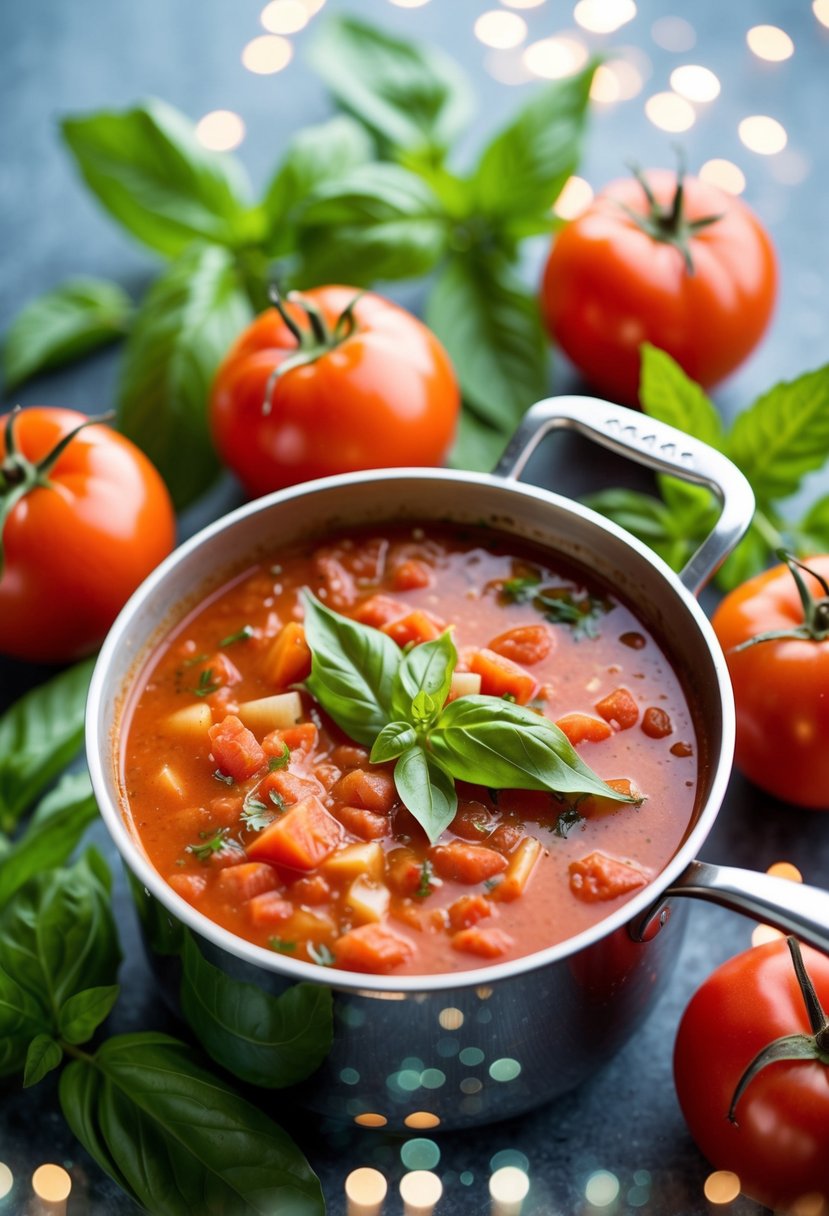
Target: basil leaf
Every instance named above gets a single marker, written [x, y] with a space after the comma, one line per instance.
[379, 221]
[427, 668]
[39, 735]
[44, 1055]
[811, 535]
[669, 395]
[58, 937]
[352, 670]
[315, 155]
[522, 171]
[478, 445]
[264, 1040]
[409, 96]
[62, 325]
[749, 558]
[22, 1019]
[783, 436]
[392, 741]
[183, 329]
[649, 519]
[491, 328]
[504, 746]
[149, 171]
[51, 835]
[84, 1012]
[426, 790]
[177, 1139]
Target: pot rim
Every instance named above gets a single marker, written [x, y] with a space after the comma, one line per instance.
[99, 750]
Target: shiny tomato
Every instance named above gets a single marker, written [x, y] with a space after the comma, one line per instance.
[332, 382]
[776, 1141]
[695, 276]
[781, 685]
[79, 531]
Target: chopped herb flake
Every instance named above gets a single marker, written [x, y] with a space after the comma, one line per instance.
[559, 605]
[241, 635]
[425, 885]
[277, 800]
[206, 684]
[280, 761]
[197, 658]
[218, 775]
[509, 696]
[255, 814]
[279, 943]
[491, 883]
[210, 844]
[321, 954]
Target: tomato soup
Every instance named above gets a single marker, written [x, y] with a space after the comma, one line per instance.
[258, 810]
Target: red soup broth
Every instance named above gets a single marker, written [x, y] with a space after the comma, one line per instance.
[349, 878]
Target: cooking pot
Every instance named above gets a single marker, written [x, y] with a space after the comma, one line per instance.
[453, 1050]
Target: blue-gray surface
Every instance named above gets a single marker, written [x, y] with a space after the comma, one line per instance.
[59, 58]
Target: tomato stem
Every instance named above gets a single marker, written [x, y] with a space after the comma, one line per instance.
[669, 224]
[312, 342]
[815, 626]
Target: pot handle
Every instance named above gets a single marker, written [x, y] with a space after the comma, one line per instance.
[792, 907]
[655, 445]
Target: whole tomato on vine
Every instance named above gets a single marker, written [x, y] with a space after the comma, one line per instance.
[84, 518]
[751, 1066]
[774, 630]
[332, 381]
[661, 258]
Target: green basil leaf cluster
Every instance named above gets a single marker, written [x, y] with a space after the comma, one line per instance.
[776, 441]
[395, 703]
[414, 215]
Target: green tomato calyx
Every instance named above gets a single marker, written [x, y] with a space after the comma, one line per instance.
[815, 627]
[814, 1046]
[670, 225]
[314, 339]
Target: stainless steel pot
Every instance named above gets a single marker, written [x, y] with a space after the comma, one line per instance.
[489, 1043]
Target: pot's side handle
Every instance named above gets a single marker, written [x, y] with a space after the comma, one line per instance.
[792, 907]
[655, 445]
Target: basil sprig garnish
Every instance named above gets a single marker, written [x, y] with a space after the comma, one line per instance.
[395, 703]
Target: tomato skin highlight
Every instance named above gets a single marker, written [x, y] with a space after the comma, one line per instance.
[778, 1145]
[386, 396]
[781, 688]
[608, 286]
[76, 550]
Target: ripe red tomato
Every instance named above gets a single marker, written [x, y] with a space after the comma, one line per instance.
[777, 1146]
[617, 276]
[368, 386]
[781, 687]
[79, 539]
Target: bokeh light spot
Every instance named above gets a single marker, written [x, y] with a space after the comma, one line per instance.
[721, 1187]
[509, 1185]
[220, 130]
[602, 1189]
[821, 10]
[267, 54]
[574, 198]
[670, 112]
[674, 34]
[284, 16]
[470, 1056]
[421, 1120]
[770, 43]
[505, 1069]
[695, 83]
[420, 1154]
[450, 1018]
[554, 58]
[763, 134]
[420, 1189]
[6, 1180]
[51, 1183]
[509, 1156]
[366, 1187]
[785, 869]
[603, 16]
[432, 1078]
[724, 174]
[500, 30]
[370, 1119]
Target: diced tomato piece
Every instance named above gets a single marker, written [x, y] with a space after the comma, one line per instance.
[230, 854]
[188, 886]
[235, 749]
[404, 871]
[370, 788]
[290, 787]
[372, 948]
[656, 724]
[469, 863]
[218, 669]
[486, 943]
[288, 660]
[526, 644]
[368, 825]
[412, 574]
[414, 628]
[501, 677]
[349, 755]
[313, 890]
[467, 911]
[619, 708]
[302, 838]
[268, 909]
[327, 774]
[296, 738]
[583, 728]
[339, 581]
[378, 610]
[599, 877]
[505, 837]
[474, 821]
[242, 882]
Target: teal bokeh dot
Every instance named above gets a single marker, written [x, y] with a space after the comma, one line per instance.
[420, 1154]
[467, 1178]
[432, 1078]
[471, 1056]
[350, 1076]
[505, 1069]
[409, 1080]
[510, 1156]
[411, 1063]
[483, 1016]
